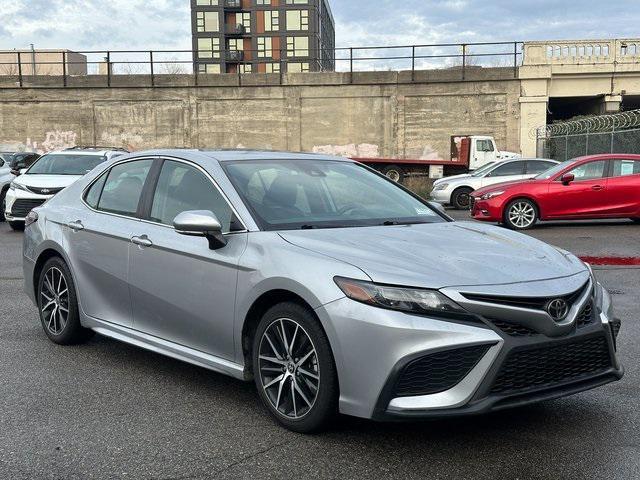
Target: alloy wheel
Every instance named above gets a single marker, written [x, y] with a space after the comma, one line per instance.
[522, 214]
[54, 301]
[289, 369]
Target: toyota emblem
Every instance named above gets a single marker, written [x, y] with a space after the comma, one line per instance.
[558, 309]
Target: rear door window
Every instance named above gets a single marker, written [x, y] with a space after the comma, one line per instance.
[623, 168]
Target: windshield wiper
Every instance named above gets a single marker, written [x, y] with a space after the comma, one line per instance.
[391, 223]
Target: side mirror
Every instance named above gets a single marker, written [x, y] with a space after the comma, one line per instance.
[201, 223]
[567, 178]
[15, 172]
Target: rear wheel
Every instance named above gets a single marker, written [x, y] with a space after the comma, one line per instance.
[294, 369]
[394, 172]
[461, 198]
[58, 304]
[521, 214]
[17, 226]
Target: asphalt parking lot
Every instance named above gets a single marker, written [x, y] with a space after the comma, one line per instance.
[108, 410]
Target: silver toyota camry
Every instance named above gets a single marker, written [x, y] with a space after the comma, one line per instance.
[329, 286]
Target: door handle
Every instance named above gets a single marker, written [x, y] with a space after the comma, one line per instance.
[75, 226]
[142, 241]
[597, 187]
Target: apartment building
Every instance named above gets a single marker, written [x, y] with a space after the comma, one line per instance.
[262, 36]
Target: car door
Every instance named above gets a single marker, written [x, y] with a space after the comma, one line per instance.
[623, 188]
[586, 196]
[98, 235]
[504, 172]
[182, 291]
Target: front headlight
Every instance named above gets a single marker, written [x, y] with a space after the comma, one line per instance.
[17, 186]
[441, 186]
[490, 195]
[398, 298]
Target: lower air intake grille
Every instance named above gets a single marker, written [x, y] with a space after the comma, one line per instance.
[439, 371]
[541, 367]
[586, 315]
[22, 207]
[513, 329]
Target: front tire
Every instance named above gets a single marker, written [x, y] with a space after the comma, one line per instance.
[294, 370]
[58, 304]
[521, 214]
[17, 226]
[3, 204]
[461, 198]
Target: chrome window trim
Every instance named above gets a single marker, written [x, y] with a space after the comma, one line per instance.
[161, 157]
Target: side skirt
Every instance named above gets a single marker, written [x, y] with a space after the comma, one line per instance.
[165, 347]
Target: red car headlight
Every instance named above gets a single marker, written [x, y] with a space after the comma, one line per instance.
[490, 195]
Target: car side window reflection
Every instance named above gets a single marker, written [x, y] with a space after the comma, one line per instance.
[512, 168]
[182, 188]
[123, 187]
[589, 171]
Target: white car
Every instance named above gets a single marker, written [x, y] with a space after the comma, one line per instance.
[456, 191]
[480, 170]
[49, 175]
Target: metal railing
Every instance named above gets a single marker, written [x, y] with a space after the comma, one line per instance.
[459, 60]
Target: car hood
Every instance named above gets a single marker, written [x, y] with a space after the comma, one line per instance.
[502, 186]
[47, 181]
[440, 255]
[452, 177]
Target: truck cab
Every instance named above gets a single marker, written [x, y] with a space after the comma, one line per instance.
[477, 150]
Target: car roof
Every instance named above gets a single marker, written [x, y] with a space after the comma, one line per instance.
[97, 153]
[223, 155]
[607, 156]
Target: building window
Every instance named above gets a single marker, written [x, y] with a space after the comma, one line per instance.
[209, 68]
[263, 2]
[245, 68]
[208, 22]
[298, 46]
[271, 21]
[207, 3]
[244, 19]
[209, 47]
[272, 67]
[297, 19]
[236, 44]
[264, 47]
[297, 2]
[296, 67]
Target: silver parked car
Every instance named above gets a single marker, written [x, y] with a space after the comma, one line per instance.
[330, 286]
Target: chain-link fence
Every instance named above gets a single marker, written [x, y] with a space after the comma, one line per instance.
[617, 133]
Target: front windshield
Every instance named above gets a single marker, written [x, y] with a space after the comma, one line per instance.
[306, 194]
[64, 164]
[555, 170]
[483, 169]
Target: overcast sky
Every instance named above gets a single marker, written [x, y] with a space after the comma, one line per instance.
[165, 24]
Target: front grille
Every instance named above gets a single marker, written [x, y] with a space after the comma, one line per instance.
[546, 366]
[513, 329]
[586, 315]
[439, 371]
[533, 303]
[23, 206]
[45, 190]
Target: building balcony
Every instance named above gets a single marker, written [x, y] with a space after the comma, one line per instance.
[237, 29]
[233, 4]
[234, 56]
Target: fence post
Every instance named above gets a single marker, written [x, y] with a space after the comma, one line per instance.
[108, 69]
[413, 63]
[566, 146]
[20, 70]
[586, 143]
[464, 60]
[351, 64]
[64, 69]
[515, 59]
[151, 63]
[613, 133]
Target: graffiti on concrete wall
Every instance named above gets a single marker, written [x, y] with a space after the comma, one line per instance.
[362, 150]
[52, 140]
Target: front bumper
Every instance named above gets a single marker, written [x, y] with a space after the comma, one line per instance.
[373, 347]
[441, 196]
[19, 203]
[486, 210]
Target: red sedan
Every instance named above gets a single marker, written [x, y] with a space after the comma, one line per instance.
[597, 186]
